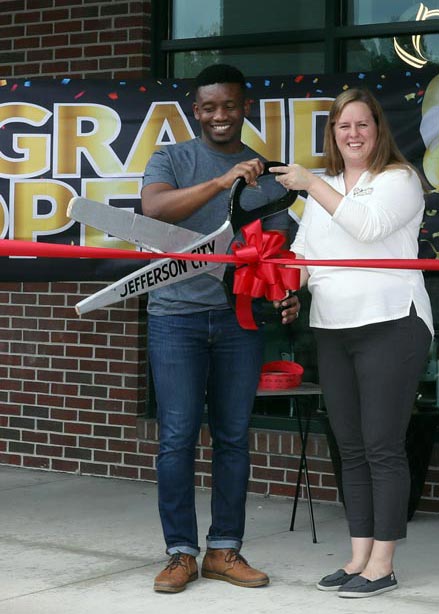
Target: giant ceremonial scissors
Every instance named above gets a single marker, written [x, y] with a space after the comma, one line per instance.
[156, 236]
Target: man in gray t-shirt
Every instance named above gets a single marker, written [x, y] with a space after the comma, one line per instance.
[193, 163]
[197, 348]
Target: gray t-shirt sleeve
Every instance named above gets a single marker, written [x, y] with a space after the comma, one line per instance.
[159, 169]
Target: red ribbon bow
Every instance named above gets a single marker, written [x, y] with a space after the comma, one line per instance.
[255, 277]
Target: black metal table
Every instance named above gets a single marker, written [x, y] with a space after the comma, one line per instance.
[303, 421]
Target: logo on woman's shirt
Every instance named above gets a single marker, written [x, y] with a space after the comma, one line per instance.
[362, 191]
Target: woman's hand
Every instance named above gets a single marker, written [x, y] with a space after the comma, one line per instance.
[289, 307]
[293, 177]
[296, 177]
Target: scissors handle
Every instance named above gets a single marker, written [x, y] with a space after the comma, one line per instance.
[239, 217]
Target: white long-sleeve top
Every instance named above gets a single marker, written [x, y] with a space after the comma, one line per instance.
[379, 218]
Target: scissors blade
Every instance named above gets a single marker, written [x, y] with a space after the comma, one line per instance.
[146, 232]
[163, 272]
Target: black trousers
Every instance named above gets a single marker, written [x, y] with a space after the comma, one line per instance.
[369, 376]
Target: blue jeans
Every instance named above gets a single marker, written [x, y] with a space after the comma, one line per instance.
[191, 356]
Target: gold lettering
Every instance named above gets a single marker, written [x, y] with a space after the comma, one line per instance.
[87, 130]
[303, 134]
[269, 140]
[39, 208]
[103, 190]
[4, 218]
[33, 150]
[162, 118]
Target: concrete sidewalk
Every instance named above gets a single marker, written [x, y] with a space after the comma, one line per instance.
[86, 545]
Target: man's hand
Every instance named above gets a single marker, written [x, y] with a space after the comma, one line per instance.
[289, 308]
[250, 170]
[164, 202]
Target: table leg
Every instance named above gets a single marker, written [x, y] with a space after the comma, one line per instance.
[303, 467]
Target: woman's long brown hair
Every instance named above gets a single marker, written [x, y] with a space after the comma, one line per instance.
[385, 153]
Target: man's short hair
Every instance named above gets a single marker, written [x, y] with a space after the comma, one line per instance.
[220, 73]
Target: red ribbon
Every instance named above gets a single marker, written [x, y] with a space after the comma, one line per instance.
[280, 375]
[258, 272]
[256, 277]
[30, 249]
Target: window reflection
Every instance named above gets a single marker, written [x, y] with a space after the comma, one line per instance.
[376, 11]
[223, 18]
[281, 60]
[201, 18]
[380, 54]
[371, 54]
[196, 18]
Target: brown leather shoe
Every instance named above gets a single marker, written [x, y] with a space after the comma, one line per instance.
[229, 565]
[181, 569]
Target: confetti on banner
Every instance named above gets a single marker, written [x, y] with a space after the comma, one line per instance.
[142, 88]
[79, 95]
[267, 83]
[298, 79]
[14, 87]
[3, 82]
[345, 86]
[65, 81]
[113, 96]
[410, 96]
[27, 84]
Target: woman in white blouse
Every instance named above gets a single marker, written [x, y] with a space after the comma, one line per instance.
[373, 327]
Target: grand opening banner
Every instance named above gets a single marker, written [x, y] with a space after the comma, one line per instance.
[66, 138]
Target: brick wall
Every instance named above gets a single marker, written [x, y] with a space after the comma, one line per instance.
[75, 38]
[275, 457]
[73, 390]
[430, 496]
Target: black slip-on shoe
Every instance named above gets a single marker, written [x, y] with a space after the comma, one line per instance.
[362, 587]
[335, 580]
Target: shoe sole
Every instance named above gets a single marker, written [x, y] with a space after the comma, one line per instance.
[352, 595]
[214, 576]
[165, 588]
[328, 588]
